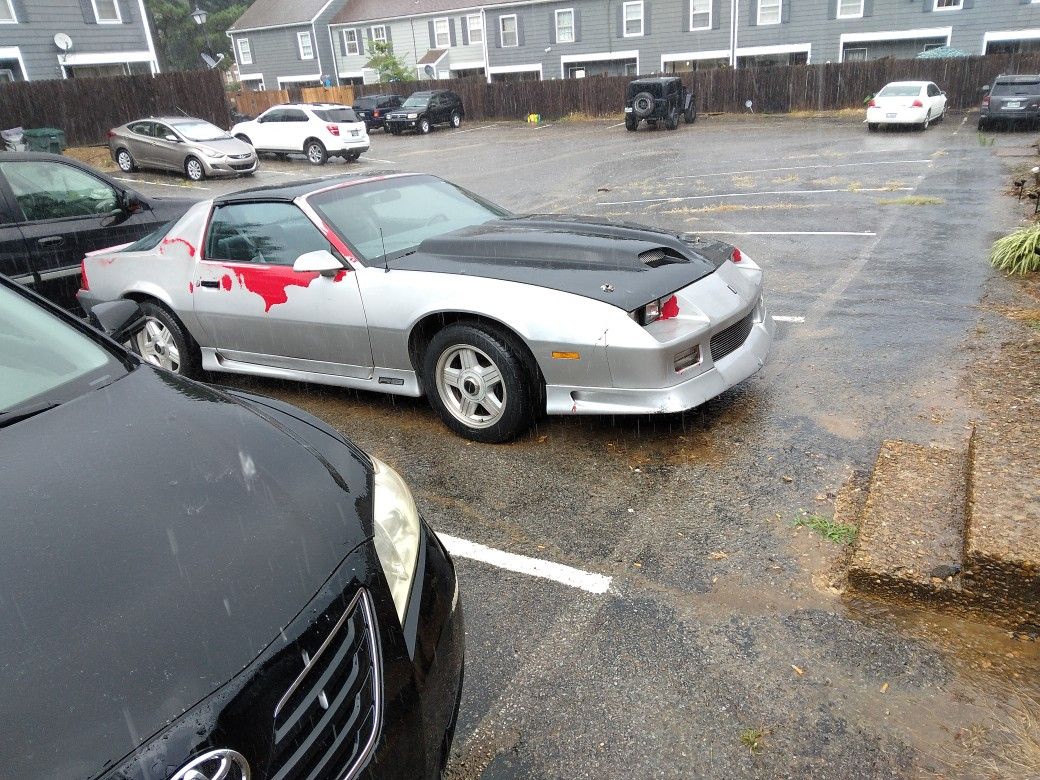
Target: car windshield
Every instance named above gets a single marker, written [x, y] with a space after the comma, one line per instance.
[900, 90]
[339, 115]
[44, 361]
[200, 131]
[366, 102]
[416, 101]
[393, 216]
[1020, 88]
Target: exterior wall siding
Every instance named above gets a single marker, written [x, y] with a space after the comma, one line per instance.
[40, 20]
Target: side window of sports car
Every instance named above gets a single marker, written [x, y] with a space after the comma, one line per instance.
[53, 190]
[261, 233]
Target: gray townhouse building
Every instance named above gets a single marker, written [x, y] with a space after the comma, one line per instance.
[54, 39]
[548, 39]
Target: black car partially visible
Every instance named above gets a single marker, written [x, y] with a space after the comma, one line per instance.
[194, 579]
[54, 210]
[372, 109]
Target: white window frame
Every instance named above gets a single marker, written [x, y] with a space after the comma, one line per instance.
[502, 31]
[305, 35]
[845, 53]
[115, 5]
[437, 33]
[480, 27]
[354, 44]
[624, 19]
[779, 12]
[245, 57]
[959, 4]
[858, 14]
[557, 20]
[10, 7]
[711, 11]
[381, 38]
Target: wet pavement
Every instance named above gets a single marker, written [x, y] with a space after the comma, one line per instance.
[719, 630]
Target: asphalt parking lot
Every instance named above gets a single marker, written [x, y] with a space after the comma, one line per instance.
[684, 617]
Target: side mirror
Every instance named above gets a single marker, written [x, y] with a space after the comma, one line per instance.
[131, 202]
[119, 320]
[321, 261]
[173, 138]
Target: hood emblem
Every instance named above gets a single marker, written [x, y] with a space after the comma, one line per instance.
[215, 765]
[608, 288]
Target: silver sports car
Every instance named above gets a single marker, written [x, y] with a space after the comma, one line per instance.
[407, 284]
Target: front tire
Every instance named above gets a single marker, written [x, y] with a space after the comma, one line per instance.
[477, 382]
[316, 152]
[424, 125]
[193, 169]
[456, 119]
[164, 342]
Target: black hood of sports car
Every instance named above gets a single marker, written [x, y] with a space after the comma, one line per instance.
[622, 264]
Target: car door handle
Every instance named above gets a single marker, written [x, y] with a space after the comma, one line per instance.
[51, 241]
[211, 283]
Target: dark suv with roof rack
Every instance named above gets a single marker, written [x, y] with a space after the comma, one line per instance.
[372, 109]
[423, 110]
[659, 99]
[1011, 99]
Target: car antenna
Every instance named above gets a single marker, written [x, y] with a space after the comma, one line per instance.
[185, 113]
[386, 264]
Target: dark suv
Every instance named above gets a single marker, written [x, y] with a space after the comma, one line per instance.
[372, 109]
[1011, 99]
[425, 109]
[661, 99]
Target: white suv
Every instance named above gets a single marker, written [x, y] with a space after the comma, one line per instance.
[319, 130]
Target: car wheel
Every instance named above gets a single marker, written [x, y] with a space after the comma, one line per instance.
[351, 156]
[643, 104]
[631, 123]
[244, 138]
[872, 127]
[691, 113]
[315, 152]
[477, 382]
[672, 121]
[927, 121]
[456, 119]
[424, 125]
[125, 161]
[983, 125]
[193, 169]
[164, 342]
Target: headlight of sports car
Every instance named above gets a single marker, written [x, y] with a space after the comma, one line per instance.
[413, 116]
[654, 310]
[396, 533]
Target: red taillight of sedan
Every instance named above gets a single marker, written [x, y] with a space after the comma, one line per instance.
[83, 283]
[872, 103]
[111, 134]
[334, 129]
[735, 256]
[917, 104]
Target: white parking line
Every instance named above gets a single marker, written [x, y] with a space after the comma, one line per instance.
[750, 194]
[611, 127]
[161, 184]
[780, 318]
[474, 129]
[802, 168]
[557, 572]
[784, 232]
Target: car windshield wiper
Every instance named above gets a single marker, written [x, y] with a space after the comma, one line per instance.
[10, 418]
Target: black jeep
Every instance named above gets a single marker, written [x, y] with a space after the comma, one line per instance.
[660, 99]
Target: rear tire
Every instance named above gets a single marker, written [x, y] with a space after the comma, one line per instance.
[165, 342]
[672, 122]
[316, 152]
[194, 169]
[924, 125]
[631, 124]
[873, 127]
[691, 113]
[351, 156]
[125, 161]
[983, 125]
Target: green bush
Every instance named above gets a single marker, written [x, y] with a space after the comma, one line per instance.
[1016, 253]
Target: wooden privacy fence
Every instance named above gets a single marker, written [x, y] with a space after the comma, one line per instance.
[253, 103]
[86, 109]
[344, 95]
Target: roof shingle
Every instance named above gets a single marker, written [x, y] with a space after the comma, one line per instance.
[376, 10]
[276, 13]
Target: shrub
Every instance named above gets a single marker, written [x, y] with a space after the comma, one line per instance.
[1016, 253]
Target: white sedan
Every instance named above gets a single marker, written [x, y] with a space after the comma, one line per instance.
[914, 103]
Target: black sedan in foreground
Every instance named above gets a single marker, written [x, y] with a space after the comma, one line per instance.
[198, 583]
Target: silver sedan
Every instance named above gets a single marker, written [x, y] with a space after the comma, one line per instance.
[192, 147]
[407, 284]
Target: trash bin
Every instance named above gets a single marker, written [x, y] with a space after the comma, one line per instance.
[44, 139]
[12, 140]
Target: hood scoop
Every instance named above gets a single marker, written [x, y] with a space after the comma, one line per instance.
[655, 258]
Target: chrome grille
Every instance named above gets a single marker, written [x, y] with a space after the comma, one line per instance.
[326, 723]
[731, 337]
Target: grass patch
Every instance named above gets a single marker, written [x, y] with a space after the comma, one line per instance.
[893, 185]
[753, 739]
[912, 200]
[729, 207]
[581, 116]
[1016, 253]
[743, 181]
[785, 179]
[839, 533]
[985, 140]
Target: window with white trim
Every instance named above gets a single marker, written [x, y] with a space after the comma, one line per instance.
[850, 9]
[475, 25]
[7, 12]
[857, 54]
[379, 34]
[350, 42]
[949, 5]
[441, 34]
[769, 11]
[107, 12]
[508, 31]
[565, 25]
[632, 19]
[303, 40]
[245, 52]
[700, 14]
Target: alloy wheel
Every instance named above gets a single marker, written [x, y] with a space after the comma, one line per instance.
[471, 386]
[194, 169]
[156, 345]
[314, 154]
[125, 161]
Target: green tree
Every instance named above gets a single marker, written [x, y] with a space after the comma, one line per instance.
[179, 40]
[389, 67]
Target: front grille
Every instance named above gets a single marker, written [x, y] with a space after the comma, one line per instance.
[731, 337]
[241, 166]
[326, 723]
[245, 156]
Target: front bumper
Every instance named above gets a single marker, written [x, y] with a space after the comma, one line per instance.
[737, 366]
[223, 166]
[402, 124]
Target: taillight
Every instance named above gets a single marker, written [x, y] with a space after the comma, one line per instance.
[377, 113]
[872, 103]
[985, 101]
[111, 134]
[917, 104]
[83, 283]
[334, 129]
[736, 257]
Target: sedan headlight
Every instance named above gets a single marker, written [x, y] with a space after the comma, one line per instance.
[212, 153]
[396, 533]
[413, 116]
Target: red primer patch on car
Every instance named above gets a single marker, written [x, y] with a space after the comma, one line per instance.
[271, 283]
[670, 309]
[106, 260]
[191, 287]
[167, 241]
[225, 282]
[340, 275]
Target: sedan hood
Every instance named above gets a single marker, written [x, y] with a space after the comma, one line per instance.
[622, 264]
[157, 536]
[226, 145]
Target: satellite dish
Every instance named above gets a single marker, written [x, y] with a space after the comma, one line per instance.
[210, 62]
[429, 71]
[63, 41]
